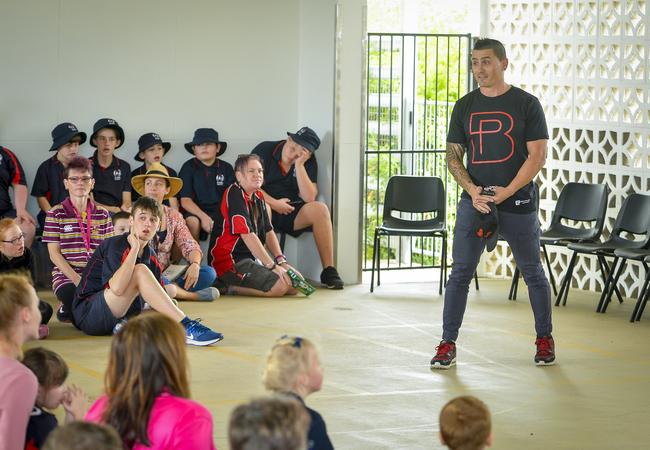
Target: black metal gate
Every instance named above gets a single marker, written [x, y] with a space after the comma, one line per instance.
[413, 81]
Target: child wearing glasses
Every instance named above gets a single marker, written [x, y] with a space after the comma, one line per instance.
[48, 187]
[16, 257]
[73, 230]
[293, 368]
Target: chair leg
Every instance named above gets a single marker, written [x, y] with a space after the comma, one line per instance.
[374, 258]
[604, 270]
[566, 281]
[379, 258]
[569, 278]
[550, 272]
[613, 284]
[608, 281]
[512, 295]
[642, 308]
[443, 263]
[476, 280]
[643, 295]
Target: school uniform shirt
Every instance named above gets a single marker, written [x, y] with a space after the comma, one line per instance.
[18, 389]
[205, 185]
[103, 264]
[111, 181]
[317, 437]
[239, 213]
[277, 182]
[495, 131]
[69, 228]
[174, 423]
[143, 170]
[48, 182]
[41, 424]
[25, 262]
[11, 174]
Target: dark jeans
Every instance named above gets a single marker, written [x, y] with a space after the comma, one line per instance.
[522, 233]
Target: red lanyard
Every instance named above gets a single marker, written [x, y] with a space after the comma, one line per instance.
[85, 234]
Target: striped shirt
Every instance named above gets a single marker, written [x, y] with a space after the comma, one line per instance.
[62, 227]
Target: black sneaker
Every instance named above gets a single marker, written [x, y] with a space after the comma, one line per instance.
[445, 355]
[63, 316]
[330, 278]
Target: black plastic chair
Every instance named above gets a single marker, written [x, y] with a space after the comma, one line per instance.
[622, 256]
[644, 294]
[415, 195]
[633, 220]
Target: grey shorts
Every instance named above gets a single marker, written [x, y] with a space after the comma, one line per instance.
[249, 274]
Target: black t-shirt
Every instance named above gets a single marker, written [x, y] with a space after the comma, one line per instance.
[111, 181]
[494, 131]
[49, 181]
[205, 185]
[105, 261]
[277, 182]
[143, 170]
[11, 173]
[317, 437]
[239, 213]
[41, 424]
[19, 263]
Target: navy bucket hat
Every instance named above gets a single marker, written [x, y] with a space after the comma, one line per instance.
[306, 137]
[149, 140]
[107, 123]
[205, 136]
[64, 133]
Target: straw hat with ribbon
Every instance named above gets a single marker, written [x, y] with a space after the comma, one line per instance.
[157, 170]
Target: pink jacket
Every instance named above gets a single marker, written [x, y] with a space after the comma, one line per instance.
[175, 423]
[177, 232]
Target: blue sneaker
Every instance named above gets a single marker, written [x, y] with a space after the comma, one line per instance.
[198, 334]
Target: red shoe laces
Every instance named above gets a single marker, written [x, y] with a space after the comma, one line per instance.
[544, 346]
[444, 348]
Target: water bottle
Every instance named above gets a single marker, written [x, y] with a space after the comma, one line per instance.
[299, 283]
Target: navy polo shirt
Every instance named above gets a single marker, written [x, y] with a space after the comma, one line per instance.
[11, 173]
[111, 181]
[49, 181]
[277, 182]
[41, 424]
[317, 438]
[206, 185]
[143, 170]
[105, 261]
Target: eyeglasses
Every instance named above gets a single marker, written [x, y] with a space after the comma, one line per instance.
[79, 179]
[16, 241]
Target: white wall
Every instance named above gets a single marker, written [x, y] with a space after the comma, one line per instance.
[252, 69]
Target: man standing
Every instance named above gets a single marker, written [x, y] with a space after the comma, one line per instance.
[503, 130]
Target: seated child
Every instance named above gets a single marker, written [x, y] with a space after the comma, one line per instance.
[152, 149]
[195, 283]
[84, 436]
[112, 189]
[121, 223]
[12, 176]
[73, 230]
[51, 371]
[272, 423]
[123, 274]
[205, 178]
[48, 187]
[15, 257]
[465, 424]
[293, 368]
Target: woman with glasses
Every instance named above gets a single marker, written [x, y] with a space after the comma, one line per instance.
[73, 230]
[16, 257]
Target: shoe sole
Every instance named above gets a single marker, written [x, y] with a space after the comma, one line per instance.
[336, 288]
[544, 363]
[440, 366]
[202, 343]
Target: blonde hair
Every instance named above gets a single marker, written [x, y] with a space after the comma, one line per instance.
[14, 295]
[288, 359]
[465, 423]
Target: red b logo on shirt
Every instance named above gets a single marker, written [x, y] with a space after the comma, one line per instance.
[491, 141]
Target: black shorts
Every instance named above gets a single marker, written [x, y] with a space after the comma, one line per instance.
[249, 274]
[93, 316]
[9, 213]
[203, 235]
[284, 223]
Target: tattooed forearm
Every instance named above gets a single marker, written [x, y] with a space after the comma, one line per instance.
[455, 153]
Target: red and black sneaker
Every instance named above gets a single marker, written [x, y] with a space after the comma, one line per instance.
[445, 355]
[545, 355]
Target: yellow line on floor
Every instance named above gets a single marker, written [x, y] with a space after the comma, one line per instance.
[90, 372]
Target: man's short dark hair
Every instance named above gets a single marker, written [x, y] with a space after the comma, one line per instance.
[120, 215]
[496, 46]
[148, 204]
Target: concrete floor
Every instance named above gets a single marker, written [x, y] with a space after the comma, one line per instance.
[379, 392]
